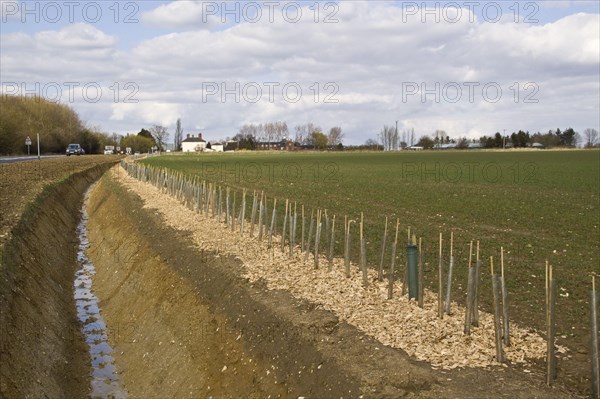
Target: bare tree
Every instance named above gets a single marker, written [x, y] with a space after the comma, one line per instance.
[591, 137]
[280, 130]
[335, 136]
[178, 135]
[160, 135]
[389, 138]
[372, 144]
[284, 129]
[300, 133]
[304, 132]
[438, 140]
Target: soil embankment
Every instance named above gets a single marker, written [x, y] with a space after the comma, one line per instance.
[184, 326]
[43, 353]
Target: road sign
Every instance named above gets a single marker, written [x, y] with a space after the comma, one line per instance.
[28, 143]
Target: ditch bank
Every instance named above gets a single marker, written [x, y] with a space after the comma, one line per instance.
[185, 323]
[42, 352]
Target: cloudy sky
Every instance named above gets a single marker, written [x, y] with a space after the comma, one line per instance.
[469, 68]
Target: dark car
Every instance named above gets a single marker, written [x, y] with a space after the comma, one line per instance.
[74, 149]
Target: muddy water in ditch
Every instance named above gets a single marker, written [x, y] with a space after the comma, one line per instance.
[105, 381]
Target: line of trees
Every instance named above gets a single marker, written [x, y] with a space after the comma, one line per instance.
[389, 139]
[57, 124]
[307, 135]
[553, 138]
[142, 141]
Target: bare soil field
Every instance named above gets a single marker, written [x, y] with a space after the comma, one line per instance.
[22, 182]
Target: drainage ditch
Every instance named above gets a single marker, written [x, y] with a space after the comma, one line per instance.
[105, 380]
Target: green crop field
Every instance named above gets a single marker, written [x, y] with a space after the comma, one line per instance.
[538, 205]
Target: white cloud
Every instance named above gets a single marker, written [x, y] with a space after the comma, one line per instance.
[77, 52]
[370, 54]
[181, 14]
[78, 36]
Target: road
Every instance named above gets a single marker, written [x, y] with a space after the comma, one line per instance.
[26, 158]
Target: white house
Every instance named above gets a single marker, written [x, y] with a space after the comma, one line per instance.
[217, 147]
[193, 144]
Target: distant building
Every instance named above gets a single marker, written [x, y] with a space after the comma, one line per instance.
[447, 146]
[474, 146]
[231, 145]
[217, 147]
[283, 145]
[193, 144]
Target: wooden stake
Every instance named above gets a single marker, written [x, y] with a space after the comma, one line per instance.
[550, 351]
[594, 341]
[243, 212]
[405, 274]
[505, 318]
[227, 206]
[273, 225]
[383, 242]
[261, 212]
[327, 231]
[440, 284]
[392, 263]
[449, 285]
[233, 214]
[285, 218]
[421, 274]
[475, 307]
[214, 202]
[363, 254]
[220, 205]
[497, 326]
[302, 232]
[293, 233]
[471, 277]
[331, 243]
[317, 239]
[310, 230]
[347, 224]
[253, 214]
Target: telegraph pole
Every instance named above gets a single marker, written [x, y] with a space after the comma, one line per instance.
[397, 138]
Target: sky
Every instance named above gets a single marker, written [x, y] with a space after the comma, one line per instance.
[470, 68]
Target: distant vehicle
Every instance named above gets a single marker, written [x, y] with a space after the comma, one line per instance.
[108, 152]
[74, 149]
[137, 153]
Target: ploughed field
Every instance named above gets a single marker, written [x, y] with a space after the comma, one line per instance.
[538, 205]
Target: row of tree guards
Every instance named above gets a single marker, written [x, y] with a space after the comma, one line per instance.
[318, 236]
